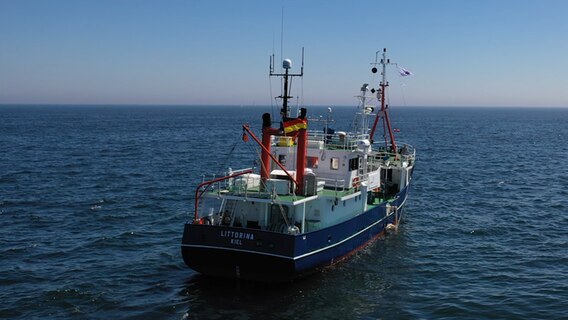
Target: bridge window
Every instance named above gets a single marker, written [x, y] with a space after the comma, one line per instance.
[353, 164]
[334, 163]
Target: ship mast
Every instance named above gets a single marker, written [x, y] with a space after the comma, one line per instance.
[381, 94]
[286, 65]
[363, 126]
[296, 128]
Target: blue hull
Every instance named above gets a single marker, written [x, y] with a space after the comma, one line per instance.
[259, 255]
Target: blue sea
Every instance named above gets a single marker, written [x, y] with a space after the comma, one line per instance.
[93, 200]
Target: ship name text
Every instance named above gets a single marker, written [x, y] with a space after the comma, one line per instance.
[237, 237]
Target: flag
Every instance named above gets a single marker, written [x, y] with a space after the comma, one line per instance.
[295, 125]
[403, 72]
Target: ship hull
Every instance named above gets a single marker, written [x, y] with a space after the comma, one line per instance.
[259, 255]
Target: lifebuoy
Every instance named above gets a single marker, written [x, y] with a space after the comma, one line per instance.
[355, 182]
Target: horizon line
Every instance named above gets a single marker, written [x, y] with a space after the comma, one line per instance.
[260, 105]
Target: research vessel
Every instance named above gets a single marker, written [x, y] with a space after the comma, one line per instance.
[317, 196]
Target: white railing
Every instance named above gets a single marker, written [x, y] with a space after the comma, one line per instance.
[349, 141]
[405, 152]
[337, 184]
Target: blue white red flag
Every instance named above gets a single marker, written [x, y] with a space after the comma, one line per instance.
[403, 72]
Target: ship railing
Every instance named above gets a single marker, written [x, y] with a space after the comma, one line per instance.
[249, 191]
[223, 184]
[255, 188]
[339, 186]
[246, 185]
[203, 188]
[338, 139]
[405, 152]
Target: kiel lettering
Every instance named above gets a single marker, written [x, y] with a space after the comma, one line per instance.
[236, 237]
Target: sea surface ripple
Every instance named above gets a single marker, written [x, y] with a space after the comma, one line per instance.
[93, 200]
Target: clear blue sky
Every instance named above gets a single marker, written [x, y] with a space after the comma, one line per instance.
[462, 53]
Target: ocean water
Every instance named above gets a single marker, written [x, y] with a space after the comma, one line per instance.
[93, 200]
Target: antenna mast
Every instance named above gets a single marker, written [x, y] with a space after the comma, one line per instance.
[286, 65]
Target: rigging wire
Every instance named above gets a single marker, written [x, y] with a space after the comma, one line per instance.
[225, 162]
[282, 36]
[302, 91]
[219, 173]
[402, 85]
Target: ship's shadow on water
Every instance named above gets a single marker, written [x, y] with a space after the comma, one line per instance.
[210, 298]
[354, 288]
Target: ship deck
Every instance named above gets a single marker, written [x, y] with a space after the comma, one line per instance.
[254, 194]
